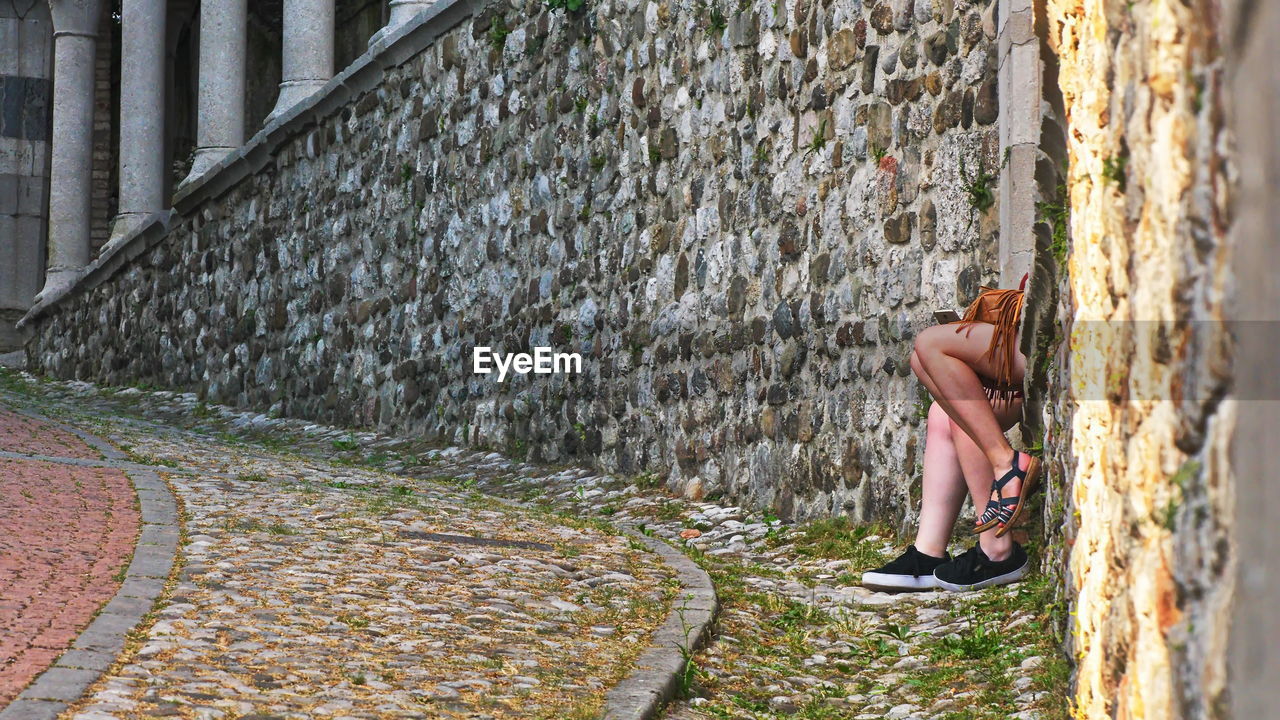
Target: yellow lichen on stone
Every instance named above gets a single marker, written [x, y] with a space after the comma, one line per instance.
[1133, 113]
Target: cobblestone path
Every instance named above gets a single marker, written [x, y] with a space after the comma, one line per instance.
[65, 534]
[796, 637]
[308, 589]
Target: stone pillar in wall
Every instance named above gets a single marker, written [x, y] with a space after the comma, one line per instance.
[142, 113]
[1019, 90]
[402, 11]
[220, 107]
[307, 51]
[75, 28]
[26, 94]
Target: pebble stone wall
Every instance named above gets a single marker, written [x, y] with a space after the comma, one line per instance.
[738, 214]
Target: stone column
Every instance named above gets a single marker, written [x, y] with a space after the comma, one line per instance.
[402, 11]
[220, 107]
[75, 24]
[1020, 93]
[308, 51]
[142, 112]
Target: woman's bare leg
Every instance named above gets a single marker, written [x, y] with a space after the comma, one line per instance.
[951, 362]
[918, 368]
[952, 461]
[942, 484]
[977, 473]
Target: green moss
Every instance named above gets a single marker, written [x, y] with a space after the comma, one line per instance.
[1113, 170]
[979, 188]
[716, 21]
[1167, 516]
[1058, 215]
[819, 139]
[498, 32]
[566, 5]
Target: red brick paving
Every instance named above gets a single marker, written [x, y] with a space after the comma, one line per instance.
[19, 433]
[65, 531]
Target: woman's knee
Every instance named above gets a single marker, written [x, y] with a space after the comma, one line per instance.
[929, 340]
[938, 419]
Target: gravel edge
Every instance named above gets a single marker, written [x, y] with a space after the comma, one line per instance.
[99, 644]
[654, 680]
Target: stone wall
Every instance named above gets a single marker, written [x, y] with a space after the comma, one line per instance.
[1140, 425]
[739, 215]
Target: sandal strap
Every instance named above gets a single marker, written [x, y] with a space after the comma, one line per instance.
[991, 513]
[1014, 472]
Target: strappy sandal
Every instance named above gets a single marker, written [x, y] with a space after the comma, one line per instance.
[1030, 477]
[996, 508]
[989, 517]
[1004, 511]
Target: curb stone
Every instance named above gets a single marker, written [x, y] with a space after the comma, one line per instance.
[110, 463]
[99, 644]
[654, 680]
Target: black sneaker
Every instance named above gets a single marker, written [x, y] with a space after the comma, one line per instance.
[974, 570]
[912, 570]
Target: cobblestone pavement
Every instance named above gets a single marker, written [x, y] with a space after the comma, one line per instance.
[797, 637]
[65, 534]
[309, 589]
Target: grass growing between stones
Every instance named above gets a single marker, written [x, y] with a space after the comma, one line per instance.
[980, 656]
[993, 646]
[765, 640]
[12, 381]
[145, 459]
[838, 539]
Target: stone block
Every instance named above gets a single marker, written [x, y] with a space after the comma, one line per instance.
[1020, 86]
[842, 49]
[24, 709]
[161, 535]
[61, 683]
[86, 660]
[9, 194]
[147, 588]
[31, 192]
[151, 561]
